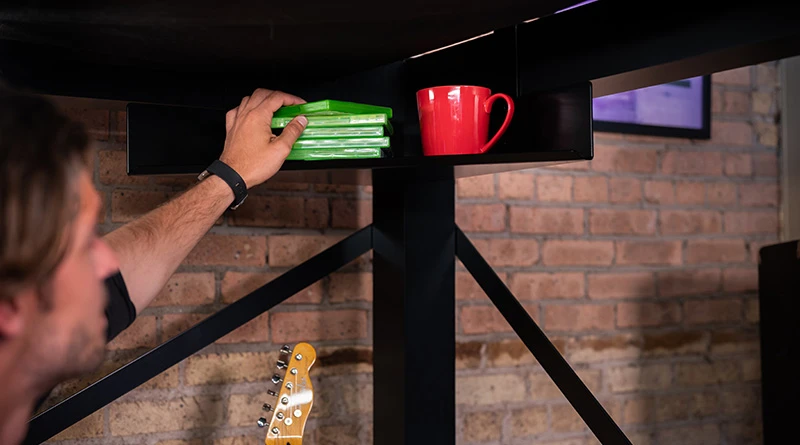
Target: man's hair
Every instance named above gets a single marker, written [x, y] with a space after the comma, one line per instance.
[42, 152]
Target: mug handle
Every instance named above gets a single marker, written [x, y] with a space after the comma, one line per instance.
[487, 106]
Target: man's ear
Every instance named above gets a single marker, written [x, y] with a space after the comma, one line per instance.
[12, 314]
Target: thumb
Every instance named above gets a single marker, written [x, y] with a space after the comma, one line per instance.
[292, 132]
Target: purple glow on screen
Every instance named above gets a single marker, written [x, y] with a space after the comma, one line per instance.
[674, 104]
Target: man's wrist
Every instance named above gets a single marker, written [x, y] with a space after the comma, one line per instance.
[230, 177]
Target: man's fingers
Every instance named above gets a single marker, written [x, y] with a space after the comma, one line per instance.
[292, 132]
[258, 97]
[279, 99]
[230, 118]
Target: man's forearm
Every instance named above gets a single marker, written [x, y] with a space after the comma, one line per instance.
[152, 247]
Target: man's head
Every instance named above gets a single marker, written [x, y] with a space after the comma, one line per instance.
[52, 263]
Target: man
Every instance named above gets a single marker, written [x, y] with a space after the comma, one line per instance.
[64, 291]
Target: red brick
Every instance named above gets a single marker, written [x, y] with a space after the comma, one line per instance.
[351, 213]
[621, 285]
[763, 102]
[350, 286]
[114, 170]
[127, 205]
[501, 252]
[758, 194]
[270, 211]
[121, 132]
[625, 190]
[481, 217]
[659, 192]
[236, 285]
[690, 192]
[648, 314]
[688, 282]
[318, 213]
[715, 251]
[692, 163]
[738, 164]
[591, 189]
[690, 222]
[622, 222]
[335, 188]
[482, 319]
[515, 186]
[767, 74]
[546, 220]
[608, 158]
[731, 133]
[475, 186]
[713, 311]
[577, 252]
[737, 102]
[233, 250]
[717, 101]
[648, 252]
[756, 222]
[546, 286]
[95, 120]
[579, 317]
[721, 193]
[140, 334]
[187, 289]
[290, 250]
[767, 133]
[740, 280]
[765, 165]
[554, 188]
[638, 377]
[288, 327]
[736, 76]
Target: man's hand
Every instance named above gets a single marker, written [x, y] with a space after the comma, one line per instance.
[250, 146]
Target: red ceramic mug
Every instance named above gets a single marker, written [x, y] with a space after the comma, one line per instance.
[455, 119]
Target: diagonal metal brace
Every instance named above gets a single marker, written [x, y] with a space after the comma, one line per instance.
[159, 359]
[576, 392]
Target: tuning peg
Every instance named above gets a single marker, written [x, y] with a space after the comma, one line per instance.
[272, 393]
[285, 349]
[262, 422]
[276, 379]
[267, 407]
[281, 364]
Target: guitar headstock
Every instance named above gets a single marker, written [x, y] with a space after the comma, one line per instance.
[294, 396]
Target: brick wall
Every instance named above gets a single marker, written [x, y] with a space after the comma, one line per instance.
[640, 265]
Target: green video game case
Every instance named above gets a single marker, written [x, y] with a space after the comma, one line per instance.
[331, 107]
[304, 144]
[344, 120]
[318, 154]
[341, 132]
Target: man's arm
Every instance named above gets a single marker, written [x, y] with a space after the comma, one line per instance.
[151, 248]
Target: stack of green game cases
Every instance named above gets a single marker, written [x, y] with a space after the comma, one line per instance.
[338, 130]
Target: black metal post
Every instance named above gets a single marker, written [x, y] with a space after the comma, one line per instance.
[576, 392]
[414, 307]
[161, 358]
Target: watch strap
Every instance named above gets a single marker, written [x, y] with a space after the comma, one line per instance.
[229, 175]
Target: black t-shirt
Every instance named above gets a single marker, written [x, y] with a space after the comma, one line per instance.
[120, 312]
